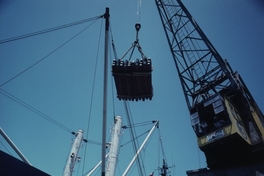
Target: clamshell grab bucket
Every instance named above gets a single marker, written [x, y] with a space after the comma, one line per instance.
[133, 79]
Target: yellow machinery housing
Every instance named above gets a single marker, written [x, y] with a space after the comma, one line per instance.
[229, 134]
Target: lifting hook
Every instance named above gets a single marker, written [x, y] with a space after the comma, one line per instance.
[137, 26]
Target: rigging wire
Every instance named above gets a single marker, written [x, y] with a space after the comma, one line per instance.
[138, 124]
[20, 73]
[112, 79]
[158, 152]
[6, 148]
[134, 139]
[29, 107]
[49, 30]
[92, 92]
[133, 134]
[146, 145]
[161, 144]
[94, 142]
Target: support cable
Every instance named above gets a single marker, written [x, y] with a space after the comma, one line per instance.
[92, 93]
[161, 144]
[29, 107]
[133, 134]
[94, 142]
[134, 139]
[6, 148]
[147, 143]
[138, 124]
[112, 79]
[20, 73]
[49, 30]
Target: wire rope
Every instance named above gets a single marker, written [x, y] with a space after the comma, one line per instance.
[133, 134]
[134, 139]
[161, 144]
[138, 124]
[158, 152]
[94, 142]
[112, 80]
[145, 147]
[92, 92]
[20, 73]
[139, 10]
[49, 30]
[6, 148]
[29, 107]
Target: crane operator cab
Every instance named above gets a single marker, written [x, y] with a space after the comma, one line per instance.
[224, 130]
[210, 116]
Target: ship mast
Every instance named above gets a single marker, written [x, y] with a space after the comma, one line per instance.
[106, 16]
[73, 156]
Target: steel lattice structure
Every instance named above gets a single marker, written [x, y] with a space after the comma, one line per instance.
[202, 71]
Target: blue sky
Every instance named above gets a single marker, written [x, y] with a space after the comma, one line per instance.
[61, 85]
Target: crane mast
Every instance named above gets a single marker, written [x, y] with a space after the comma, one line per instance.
[225, 117]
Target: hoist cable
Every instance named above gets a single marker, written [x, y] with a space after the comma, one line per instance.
[29, 107]
[92, 92]
[138, 10]
[20, 73]
[49, 30]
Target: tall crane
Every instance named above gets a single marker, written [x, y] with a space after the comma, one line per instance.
[225, 117]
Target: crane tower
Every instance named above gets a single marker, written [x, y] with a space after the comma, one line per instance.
[225, 117]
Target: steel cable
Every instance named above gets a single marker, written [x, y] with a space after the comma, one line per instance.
[20, 73]
[29, 107]
[49, 30]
